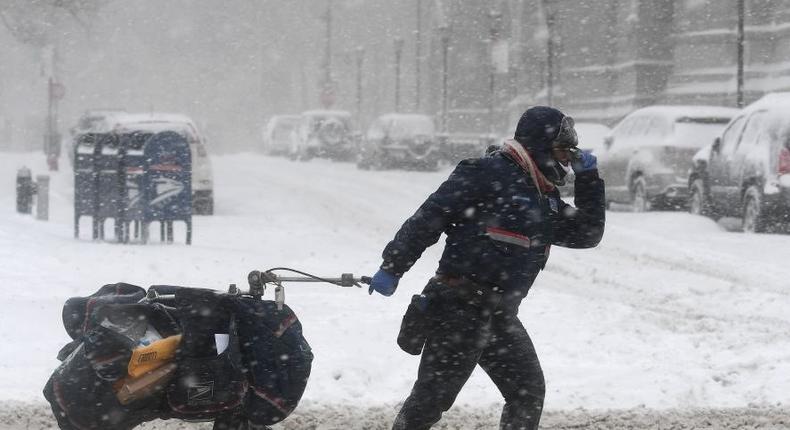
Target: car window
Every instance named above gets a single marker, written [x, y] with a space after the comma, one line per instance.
[752, 131]
[697, 132]
[281, 130]
[656, 127]
[331, 121]
[640, 126]
[777, 132]
[376, 131]
[623, 128]
[730, 138]
[404, 128]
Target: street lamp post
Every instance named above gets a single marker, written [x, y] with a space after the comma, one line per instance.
[55, 92]
[360, 52]
[398, 54]
[327, 88]
[444, 35]
[418, 57]
[740, 47]
[550, 29]
[494, 17]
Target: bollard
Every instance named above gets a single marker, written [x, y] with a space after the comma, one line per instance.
[24, 191]
[42, 197]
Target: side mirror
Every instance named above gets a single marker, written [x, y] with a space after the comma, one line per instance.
[716, 147]
[608, 141]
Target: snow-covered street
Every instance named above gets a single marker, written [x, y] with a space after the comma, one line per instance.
[670, 311]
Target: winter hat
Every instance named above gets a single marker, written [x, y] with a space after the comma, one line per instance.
[539, 130]
[540, 126]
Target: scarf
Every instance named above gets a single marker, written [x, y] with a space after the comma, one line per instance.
[517, 153]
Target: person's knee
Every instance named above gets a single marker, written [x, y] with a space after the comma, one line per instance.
[528, 393]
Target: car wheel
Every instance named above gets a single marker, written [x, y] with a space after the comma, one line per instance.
[208, 207]
[363, 161]
[305, 154]
[203, 206]
[639, 199]
[699, 203]
[379, 160]
[754, 219]
[427, 164]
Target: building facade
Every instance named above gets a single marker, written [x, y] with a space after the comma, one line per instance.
[600, 60]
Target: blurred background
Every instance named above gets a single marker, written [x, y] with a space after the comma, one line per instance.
[472, 65]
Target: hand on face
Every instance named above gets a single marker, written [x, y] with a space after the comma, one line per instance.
[562, 155]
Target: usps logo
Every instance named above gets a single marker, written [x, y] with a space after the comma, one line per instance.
[166, 188]
[200, 392]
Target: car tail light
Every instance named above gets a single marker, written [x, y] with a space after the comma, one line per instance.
[784, 162]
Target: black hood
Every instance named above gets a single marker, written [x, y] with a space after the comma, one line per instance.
[541, 128]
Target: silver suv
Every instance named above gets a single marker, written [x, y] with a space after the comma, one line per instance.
[400, 140]
[324, 133]
[647, 157]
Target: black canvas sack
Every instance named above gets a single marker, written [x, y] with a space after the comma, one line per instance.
[277, 357]
[252, 383]
[77, 310]
[80, 391]
[207, 383]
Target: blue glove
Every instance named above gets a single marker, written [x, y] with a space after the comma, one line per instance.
[585, 162]
[384, 283]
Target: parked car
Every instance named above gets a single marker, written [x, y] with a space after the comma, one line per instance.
[278, 134]
[648, 155]
[324, 133]
[400, 140]
[202, 176]
[746, 171]
[457, 146]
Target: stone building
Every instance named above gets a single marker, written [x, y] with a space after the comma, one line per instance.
[599, 60]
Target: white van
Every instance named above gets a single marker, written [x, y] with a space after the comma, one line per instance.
[202, 177]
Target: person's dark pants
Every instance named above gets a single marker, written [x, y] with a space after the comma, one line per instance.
[467, 333]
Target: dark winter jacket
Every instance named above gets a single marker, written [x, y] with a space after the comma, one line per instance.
[499, 227]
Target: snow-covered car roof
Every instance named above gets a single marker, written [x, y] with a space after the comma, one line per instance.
[327, 113]
[404, 124]
[771, 100]
[155, 122]
[153, 117]
[278, 118]
[146, 123]
[673, 113]
[153, 127]
[405, 117]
